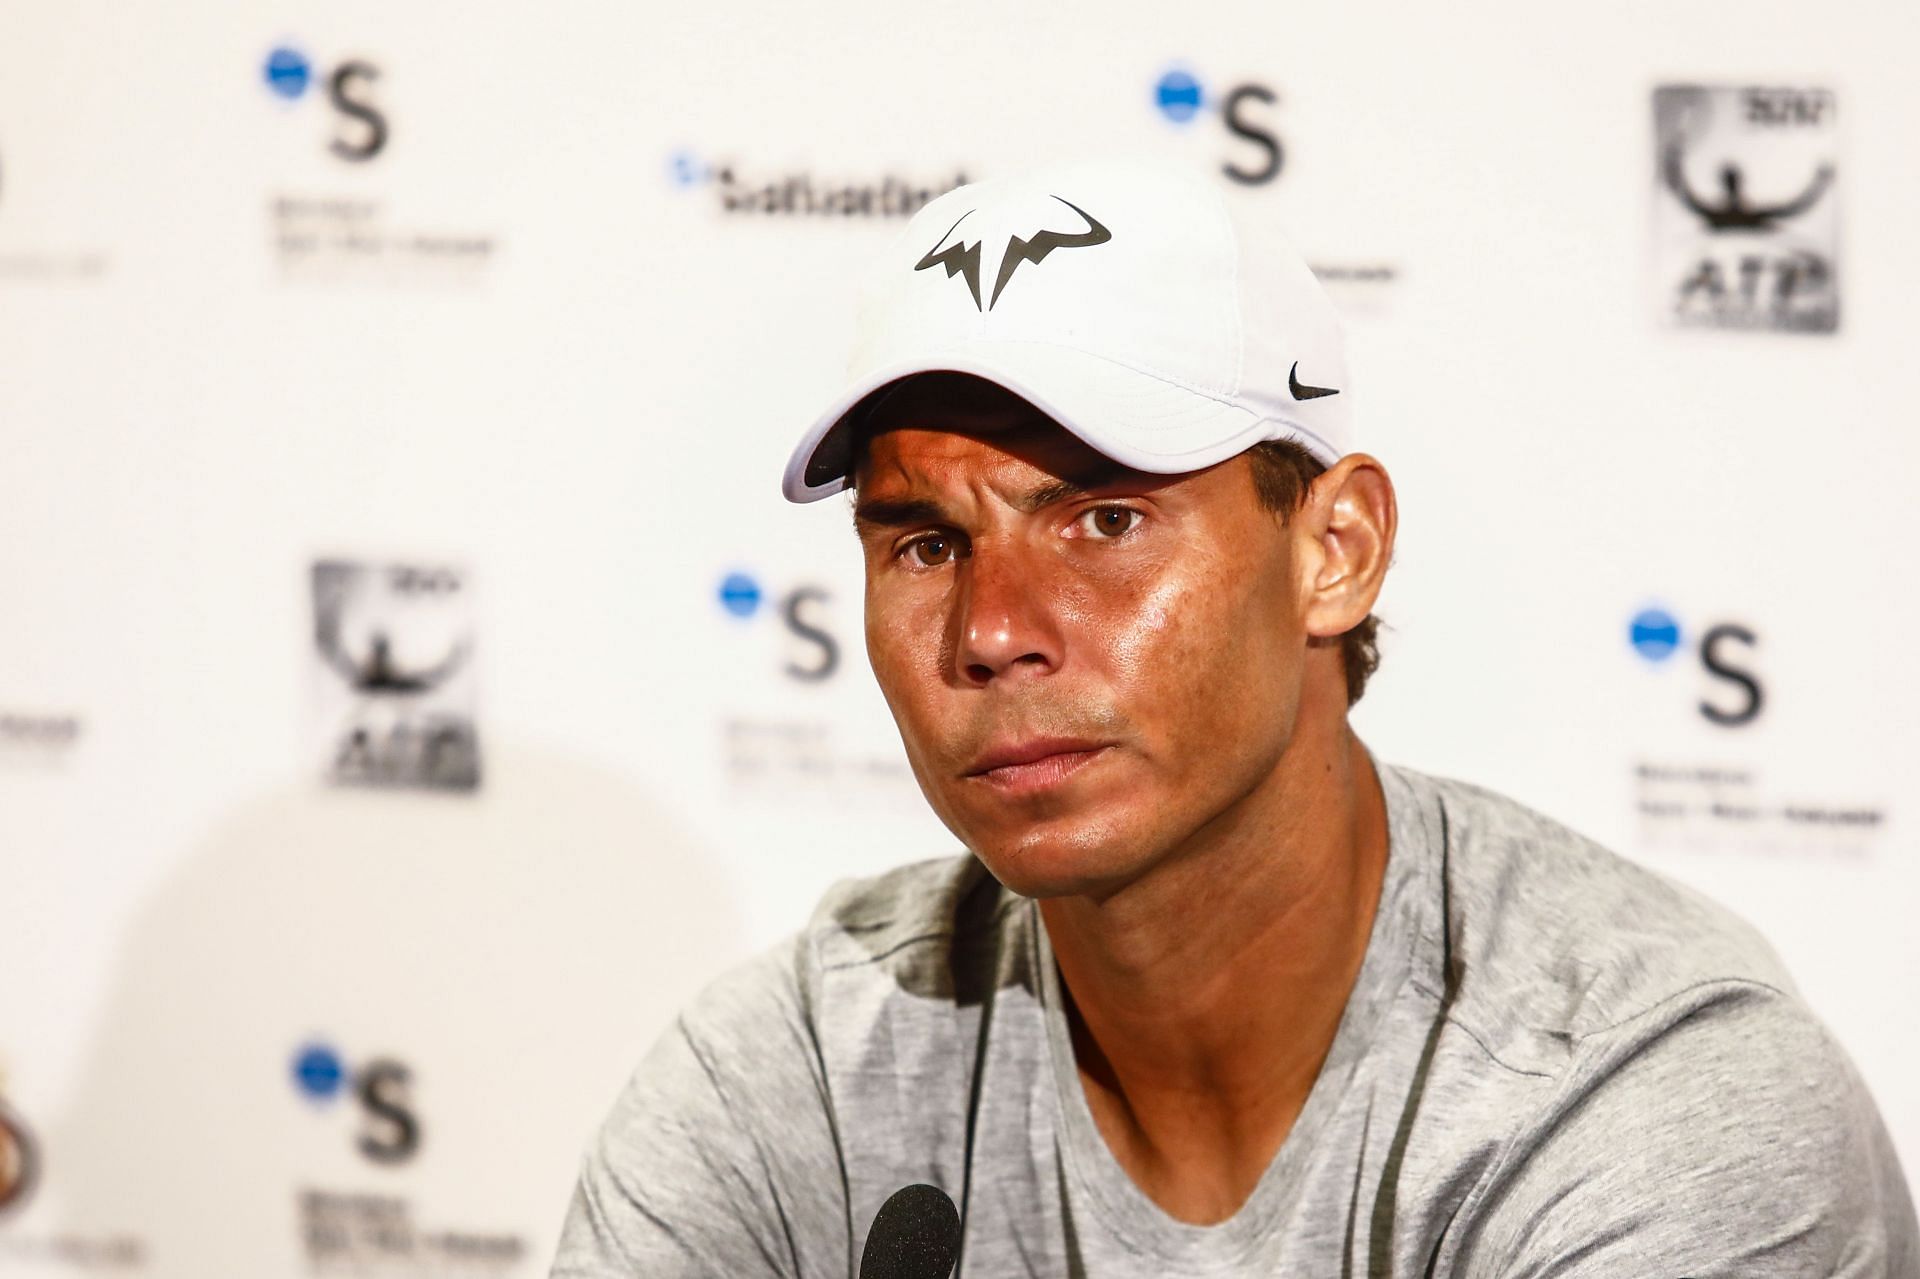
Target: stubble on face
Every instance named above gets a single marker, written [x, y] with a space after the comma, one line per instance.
[1172, 650]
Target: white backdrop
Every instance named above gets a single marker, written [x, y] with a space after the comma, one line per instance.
[527, 342]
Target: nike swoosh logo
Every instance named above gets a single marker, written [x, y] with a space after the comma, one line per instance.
[1302, 392]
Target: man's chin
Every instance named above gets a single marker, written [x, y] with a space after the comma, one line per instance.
[1053, 868]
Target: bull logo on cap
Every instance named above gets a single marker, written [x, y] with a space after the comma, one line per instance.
[963, 259]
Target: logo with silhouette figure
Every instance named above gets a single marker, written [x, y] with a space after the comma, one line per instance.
[1746, 221]
[394, 644]
[1733, 210]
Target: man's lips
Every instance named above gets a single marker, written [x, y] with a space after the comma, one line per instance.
[1034, 763]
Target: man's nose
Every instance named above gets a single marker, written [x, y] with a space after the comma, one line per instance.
[1004, 616]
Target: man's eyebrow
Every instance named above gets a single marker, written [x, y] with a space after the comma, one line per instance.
[896, 512]
[899, 512]
[1078, 485]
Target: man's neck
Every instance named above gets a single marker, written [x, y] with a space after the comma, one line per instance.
[1204, 996]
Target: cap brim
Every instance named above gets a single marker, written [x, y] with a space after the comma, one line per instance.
[1137, 419]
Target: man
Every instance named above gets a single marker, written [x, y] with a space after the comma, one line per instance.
[1215, 992]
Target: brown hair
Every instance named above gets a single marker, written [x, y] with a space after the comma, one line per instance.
[1282, 472]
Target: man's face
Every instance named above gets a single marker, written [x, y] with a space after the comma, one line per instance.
[1088, 664]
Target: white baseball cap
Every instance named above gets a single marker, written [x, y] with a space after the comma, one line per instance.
[1123, 300]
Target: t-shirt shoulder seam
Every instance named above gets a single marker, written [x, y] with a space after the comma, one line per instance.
[1574, 1038]
[1475, 1036]
[1688, 989]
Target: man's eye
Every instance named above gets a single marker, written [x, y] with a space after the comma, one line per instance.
[1104, 522]
[930, 551]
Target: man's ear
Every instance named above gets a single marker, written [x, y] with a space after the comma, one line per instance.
[1344, 536]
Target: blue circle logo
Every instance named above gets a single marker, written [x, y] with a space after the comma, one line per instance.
[685, 169]
[317, 1072]
[1655, 634]
[288, 72]
[1178, 96]
[739, 595]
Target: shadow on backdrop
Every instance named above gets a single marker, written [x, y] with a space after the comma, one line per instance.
[365, 1028]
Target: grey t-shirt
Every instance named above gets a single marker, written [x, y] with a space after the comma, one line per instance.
[1553, 1062]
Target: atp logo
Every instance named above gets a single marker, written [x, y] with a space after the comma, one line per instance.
[1657, 636]
[1776, 279]
[1734, 209]
[290, 73]
[1746, 217]
[390, 1131]
[962, 257]
[1179, 97]
[815, 653]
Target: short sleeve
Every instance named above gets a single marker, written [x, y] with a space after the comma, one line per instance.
[1724, 1133]
[720, 1156]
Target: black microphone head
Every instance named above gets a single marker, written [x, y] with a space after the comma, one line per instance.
[915, 1235]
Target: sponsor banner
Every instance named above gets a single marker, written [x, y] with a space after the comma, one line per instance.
[393, 660]
[1238, 119]
[792, 732]
[1746, 208]
[301, 237]
[1236, 122]
[380, 1087]
[341, 229]
[741, 189]
[360, 1231]
[1733, 793]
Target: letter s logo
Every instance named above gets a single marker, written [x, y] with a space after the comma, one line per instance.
[392, 1133]
[374, 137]
[1717, 665]
[1240, 126]
[828, 660]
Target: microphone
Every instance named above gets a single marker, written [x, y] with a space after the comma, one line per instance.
[915, 1235]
